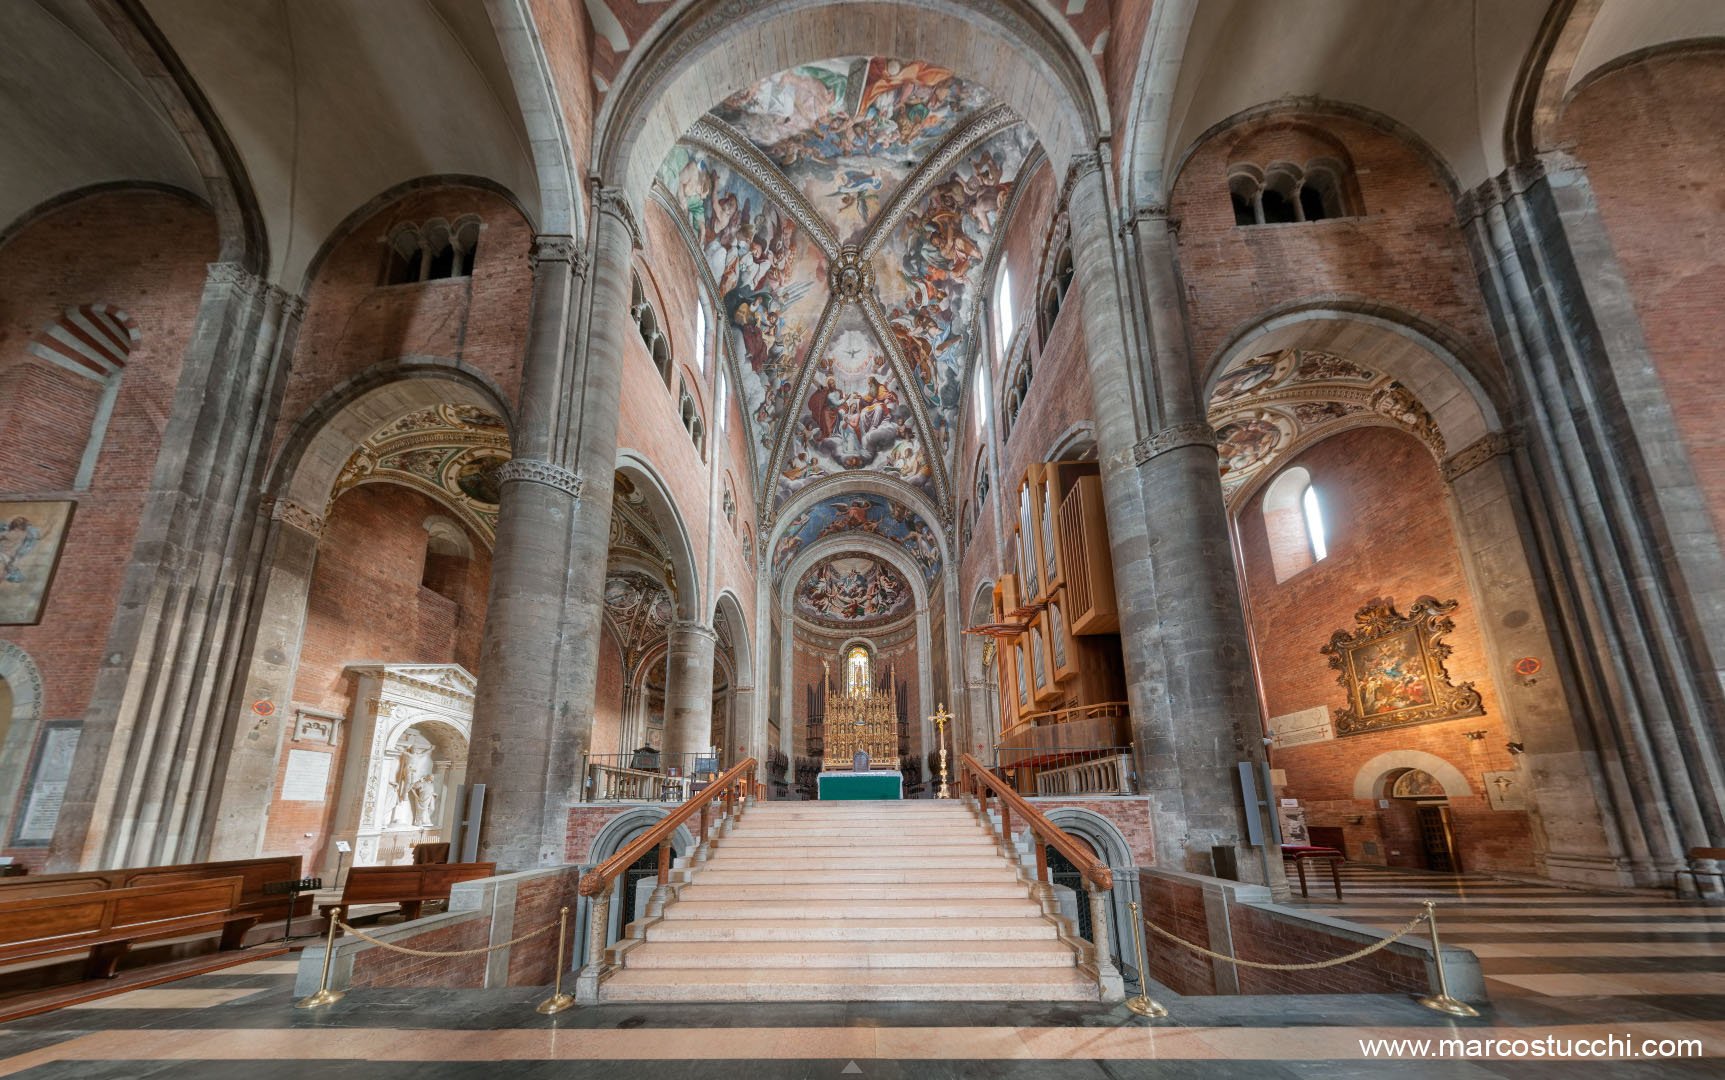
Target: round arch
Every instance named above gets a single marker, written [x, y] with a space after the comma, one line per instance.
[395, 193]
[688, 590]
[1106, 840]
[741, 638]
[613, 837]
[1426, 359]
[1370, 781]
[325, 437]
[1018, 49]
[828, 546]
[24, 679]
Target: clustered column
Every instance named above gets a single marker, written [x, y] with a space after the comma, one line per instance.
[1183, 635]
[533, 714]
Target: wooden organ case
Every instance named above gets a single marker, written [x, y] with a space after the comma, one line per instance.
[1056, 630]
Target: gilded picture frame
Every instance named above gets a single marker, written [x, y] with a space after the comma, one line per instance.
[32, 539]
[1392, 667]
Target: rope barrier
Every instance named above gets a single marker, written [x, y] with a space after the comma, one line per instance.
[363, 936]
[1314, 965]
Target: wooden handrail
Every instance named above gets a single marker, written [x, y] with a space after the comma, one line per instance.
[1042, 831]
[739, 779]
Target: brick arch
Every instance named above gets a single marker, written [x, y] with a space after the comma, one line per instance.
[1369, 782]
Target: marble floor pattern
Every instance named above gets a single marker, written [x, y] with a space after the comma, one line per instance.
[1605, 977]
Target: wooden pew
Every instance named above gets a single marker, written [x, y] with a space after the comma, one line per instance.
[253, 874]
[107, 922]
[409, 886]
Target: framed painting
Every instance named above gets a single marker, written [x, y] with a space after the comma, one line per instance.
[32, 536]
[1392, 667]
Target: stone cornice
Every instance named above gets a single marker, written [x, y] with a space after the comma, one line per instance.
[1172, 438]
[295, 516]
[526, 470]
[553, 248]
[1470, 457]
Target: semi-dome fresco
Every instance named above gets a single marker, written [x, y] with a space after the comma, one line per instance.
[845, 212]
[852, 589]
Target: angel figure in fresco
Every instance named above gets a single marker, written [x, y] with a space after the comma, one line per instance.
[16, 541]
[856, 190]
[986, 191]
[878, 403]
[850, 515]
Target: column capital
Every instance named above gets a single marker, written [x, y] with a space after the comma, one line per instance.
[293, 515]
[612, 201]
[552, 247]
[527, 470]
[694, 628]
[1470, 457]
[1172, 438]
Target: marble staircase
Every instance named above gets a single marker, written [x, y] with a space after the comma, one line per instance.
[851, 901]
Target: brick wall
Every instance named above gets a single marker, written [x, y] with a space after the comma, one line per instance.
[143, 252]
[378, 966]
[1404, 247]
[585, 821]
[608, 697]
[1129, 815]
[1238, 921]
[352, 322]
[366, 604]
[1389, 534]
[1649, 136]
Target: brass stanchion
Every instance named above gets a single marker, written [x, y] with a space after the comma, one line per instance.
[1442, 1002]
[324, 995]
[1142, 1005]
[940, 718]
[558, 1001]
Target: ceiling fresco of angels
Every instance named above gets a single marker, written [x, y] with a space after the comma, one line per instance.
[865, 513]
[894, 174]
[852, 589]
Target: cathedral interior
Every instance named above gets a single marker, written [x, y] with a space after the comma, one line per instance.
[1056, 538]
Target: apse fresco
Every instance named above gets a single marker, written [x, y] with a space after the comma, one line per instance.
[853, 589]
[929, 270]
[848, 131]
[767, 273]
[853, 415]
[860, 513]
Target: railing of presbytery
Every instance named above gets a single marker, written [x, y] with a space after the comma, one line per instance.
[729, 793]
[978, 781]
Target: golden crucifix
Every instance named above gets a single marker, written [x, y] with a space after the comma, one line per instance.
[940, 718]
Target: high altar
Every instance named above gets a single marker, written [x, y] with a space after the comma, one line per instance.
[861, 719]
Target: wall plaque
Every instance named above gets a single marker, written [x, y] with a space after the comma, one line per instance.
[1297, 728]
[307, 776]
[47, 786]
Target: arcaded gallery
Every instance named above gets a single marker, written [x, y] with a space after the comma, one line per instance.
[1052, 539]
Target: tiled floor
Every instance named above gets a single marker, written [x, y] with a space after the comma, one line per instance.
[1546, 941]
[1601, 981]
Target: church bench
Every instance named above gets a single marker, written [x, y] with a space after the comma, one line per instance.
[410, 886]
[254, 874]
[107, 922]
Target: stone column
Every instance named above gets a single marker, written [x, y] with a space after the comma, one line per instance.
[165, 709]
[1182, 632]
[742, 727]
[533, 714]
[1635, 564]
[688, 689]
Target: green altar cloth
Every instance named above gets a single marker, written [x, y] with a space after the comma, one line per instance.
[874, 784]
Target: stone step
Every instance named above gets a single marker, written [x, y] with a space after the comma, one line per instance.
[861, 811]
[849, 984]
[993, 928]
[753, 861]
[789, 908]
[790, 874]
[742, 838]
[718, 955]
[701, 890]
[859, 832]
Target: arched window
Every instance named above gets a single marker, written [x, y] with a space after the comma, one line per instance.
[981, 392]
[724, 402]
[1294, 523]
[858, 673]
[447, 551]
[406, 257]
[1005, 322]
[701, 335]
